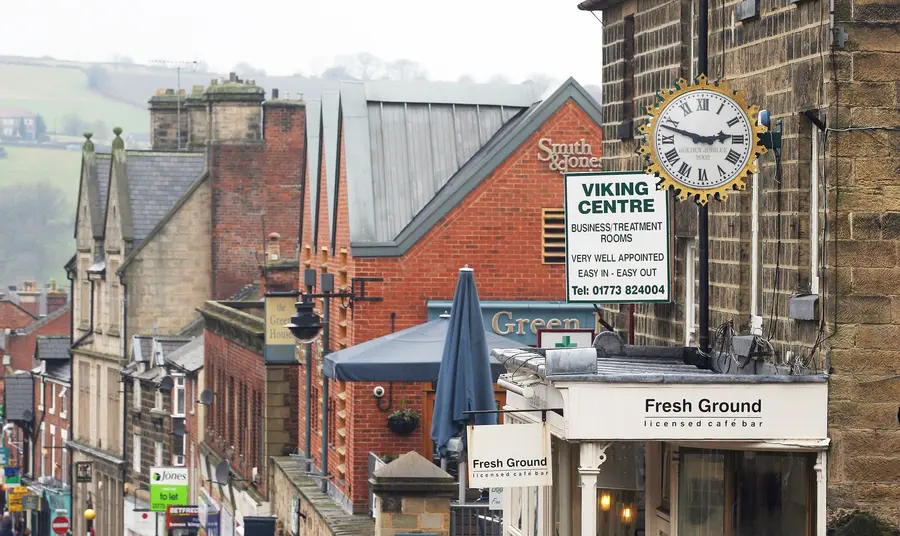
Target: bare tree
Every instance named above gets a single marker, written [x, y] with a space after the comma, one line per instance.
[498, 79]
[541, 81]
[337, 72]
[466, 79]
[245, 69]
[404, 69]
[361, 66]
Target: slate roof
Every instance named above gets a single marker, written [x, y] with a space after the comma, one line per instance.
[59, 370]
[52, 347]
[188, 357]
[95, 170]
[156, 181]
[426, 201]
[404, 141]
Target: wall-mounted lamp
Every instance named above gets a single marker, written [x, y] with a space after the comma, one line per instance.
[627, 514]
[605, 501]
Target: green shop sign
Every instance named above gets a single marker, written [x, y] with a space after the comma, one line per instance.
[168, 487]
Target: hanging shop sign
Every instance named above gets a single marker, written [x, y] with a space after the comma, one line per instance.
[84, 471]
[565, 338]
[4, 456]
[509, 455]
[757, 411]
[617, 239]
[280, 344]
[702, 139]
[182, 517]
[11, 477]
[567, 157]
[168, 487]
[31, 502]
[15, 496]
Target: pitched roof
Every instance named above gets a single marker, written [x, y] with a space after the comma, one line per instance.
[469, 174]
[59, 370]
[188, 357]
[330, 128]
[95, 175]
[52, 347]
[34, 326]
[313, 148]
[12, 316]
[404, 141]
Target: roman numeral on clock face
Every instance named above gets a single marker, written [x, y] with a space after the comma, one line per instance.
[720, 108]
[673, 123]
[721, 171]
[672, 156]
[668, 140]
[703, 105]
[733, 121]
[684, 170]
[686, 108]
[733, 156]
[737, 139]
[702, 173]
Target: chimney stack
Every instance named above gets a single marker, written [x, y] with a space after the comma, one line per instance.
[30, 297]
[56, 298]
[235, 113]
[165, 118]
[274, 93]
[274, 247]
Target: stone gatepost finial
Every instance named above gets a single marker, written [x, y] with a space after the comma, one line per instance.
[412, 495]
[88, 145]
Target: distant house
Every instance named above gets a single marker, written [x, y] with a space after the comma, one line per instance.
[18, 123]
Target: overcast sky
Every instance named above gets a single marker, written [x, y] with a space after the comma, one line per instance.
[475, 37]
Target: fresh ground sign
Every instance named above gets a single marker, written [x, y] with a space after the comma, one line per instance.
[617, 238]
[168, 487]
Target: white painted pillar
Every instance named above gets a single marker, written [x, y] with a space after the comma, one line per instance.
[564, 487]
[588, 502]
[592, 455]
[821, 468]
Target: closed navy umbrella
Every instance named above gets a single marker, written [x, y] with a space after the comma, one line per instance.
[464, 380]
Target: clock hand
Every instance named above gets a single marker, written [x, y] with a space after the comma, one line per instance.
[720, 137]
[696, 138]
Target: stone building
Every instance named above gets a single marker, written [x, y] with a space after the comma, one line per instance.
[406, 184]
[826, 234]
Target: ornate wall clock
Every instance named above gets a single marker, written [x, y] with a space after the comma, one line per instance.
[702, 139]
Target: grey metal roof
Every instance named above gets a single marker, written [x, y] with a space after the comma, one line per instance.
[330, 104]
[403, 213]
[640, 369]
[52, 347]
[313, 148]
[156, 181]
[188, 357]
[405, 140]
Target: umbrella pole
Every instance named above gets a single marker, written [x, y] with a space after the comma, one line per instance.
[461, 472]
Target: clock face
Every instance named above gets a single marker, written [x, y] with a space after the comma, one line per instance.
[703, 139]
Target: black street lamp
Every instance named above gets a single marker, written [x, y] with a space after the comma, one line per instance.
[305, 326]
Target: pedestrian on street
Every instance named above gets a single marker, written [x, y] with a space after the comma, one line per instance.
[6, 526]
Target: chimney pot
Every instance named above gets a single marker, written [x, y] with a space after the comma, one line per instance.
[274, 93]
[170, 92]
[274, 246]
[232, 77]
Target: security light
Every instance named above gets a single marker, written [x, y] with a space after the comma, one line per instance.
[305, 325]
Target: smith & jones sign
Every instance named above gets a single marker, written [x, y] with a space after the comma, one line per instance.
[280, 345]
[759, 411]
[509, 455]
[567, 157]
[617, 239]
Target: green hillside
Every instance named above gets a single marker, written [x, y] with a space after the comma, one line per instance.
[27, 165]
[56, 91]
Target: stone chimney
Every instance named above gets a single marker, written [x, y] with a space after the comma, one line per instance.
[198, 119]
[30, 297]
[235, 113]
[167, 111]
[274, 247]
[57, 298]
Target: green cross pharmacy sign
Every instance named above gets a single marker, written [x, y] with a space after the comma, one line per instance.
[565, 338]
[168, 487]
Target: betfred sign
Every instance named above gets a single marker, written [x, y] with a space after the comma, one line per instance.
[617, 239]
[183, 517]
[509, 455]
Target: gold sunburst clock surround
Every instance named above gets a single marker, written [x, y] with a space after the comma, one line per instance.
[702, 139]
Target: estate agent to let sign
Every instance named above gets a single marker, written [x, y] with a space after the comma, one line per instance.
[508, 455]
[617, 238]
[168, 487]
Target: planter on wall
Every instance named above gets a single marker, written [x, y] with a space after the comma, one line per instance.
[403, 424]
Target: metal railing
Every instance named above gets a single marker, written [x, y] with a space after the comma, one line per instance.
[475, 520]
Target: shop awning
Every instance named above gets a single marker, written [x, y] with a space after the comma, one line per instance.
[410, 355]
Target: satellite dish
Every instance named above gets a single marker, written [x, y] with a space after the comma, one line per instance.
[206, 397]
[166, 383]
[27, 415]
[222, 472]
[178, 428]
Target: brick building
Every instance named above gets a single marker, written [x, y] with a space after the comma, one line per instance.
[825, 234]
[408, 183]
[18, 123]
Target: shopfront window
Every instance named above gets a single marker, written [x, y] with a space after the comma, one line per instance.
[744, 493]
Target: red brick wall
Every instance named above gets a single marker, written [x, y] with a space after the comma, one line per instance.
[255, 182]
[48, 419]
[496, 230]
[21, 347]
[234, 365]
[13, 317]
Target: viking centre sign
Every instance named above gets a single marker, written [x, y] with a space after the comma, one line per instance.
[618, 246]
[567, 157]
[509, 455]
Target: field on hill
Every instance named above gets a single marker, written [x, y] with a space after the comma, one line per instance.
[32, 165]
[55, 92]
